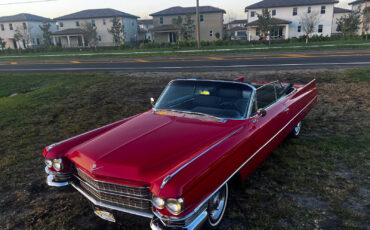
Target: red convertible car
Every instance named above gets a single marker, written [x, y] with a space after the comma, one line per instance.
[172, 164]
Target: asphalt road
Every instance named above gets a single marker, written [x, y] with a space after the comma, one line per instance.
[260, 61]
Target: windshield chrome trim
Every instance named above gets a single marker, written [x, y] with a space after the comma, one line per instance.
[169, 177]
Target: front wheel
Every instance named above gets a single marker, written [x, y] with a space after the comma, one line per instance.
[216, 208]
[297, 130]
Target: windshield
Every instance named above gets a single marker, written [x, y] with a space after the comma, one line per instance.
[213, 98]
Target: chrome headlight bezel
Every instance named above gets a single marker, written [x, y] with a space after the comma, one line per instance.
[158, 202]
[175, 206]
[58, 164]
[49, 163]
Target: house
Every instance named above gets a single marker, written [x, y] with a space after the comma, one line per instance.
[360, 5]
[144, 26]
[286, 17]
[338, 13]
[26, 25]
[211, 23]
[71, 27]
[237, 29]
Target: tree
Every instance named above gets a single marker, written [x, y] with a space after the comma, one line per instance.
[366, 21]
[118, 31]
[308, 22]
[188, 28]
[265, 24]
[2, 43]
[349, 24]
[178, 23]
[46, 33]
[23, 34]
[90, 34]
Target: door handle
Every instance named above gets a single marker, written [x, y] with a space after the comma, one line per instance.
[286, 110]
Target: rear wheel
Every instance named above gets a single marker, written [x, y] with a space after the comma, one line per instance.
[216, 208]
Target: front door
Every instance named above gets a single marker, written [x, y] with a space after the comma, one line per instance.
[172, 37]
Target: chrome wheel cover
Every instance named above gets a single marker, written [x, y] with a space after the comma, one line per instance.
[217, 206]
[297, 129]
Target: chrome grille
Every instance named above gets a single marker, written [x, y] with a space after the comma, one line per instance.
[138, 198]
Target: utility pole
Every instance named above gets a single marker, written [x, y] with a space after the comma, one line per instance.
[198, 25]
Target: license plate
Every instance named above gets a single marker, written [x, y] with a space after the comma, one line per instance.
[105, 215]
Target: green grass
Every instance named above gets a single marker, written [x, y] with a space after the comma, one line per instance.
[319, 180]
[192, 51]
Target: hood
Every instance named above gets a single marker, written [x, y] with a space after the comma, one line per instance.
[147, 146]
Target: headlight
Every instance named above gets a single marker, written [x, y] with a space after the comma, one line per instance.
[158, 202]
[175, 206]
[57, 164]
[49, 163]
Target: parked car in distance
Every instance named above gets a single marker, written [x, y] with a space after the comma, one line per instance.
[172, 164]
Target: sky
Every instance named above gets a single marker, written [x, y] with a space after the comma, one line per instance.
[141, 8]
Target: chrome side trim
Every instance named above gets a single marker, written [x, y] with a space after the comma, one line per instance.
[205, 200]
[108, 206]
[167, 178]
[50, 182]
[110, 193]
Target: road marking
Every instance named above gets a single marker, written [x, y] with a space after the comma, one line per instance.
[215, 58]
[141, 60]
[75, 62]
[297, 55]
[14, 63]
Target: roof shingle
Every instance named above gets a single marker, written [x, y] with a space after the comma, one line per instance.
[24, 17]
[178, 10]
[73, 31]
[275, 21]
[287, 3]
[96, 13]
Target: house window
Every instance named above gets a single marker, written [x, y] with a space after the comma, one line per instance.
[38, 41]
[273, 12]
[211, 33]
[2, 27]
[24, 25]
[294, 11]
[77, 23]
[104, 22]
[161, 20]
[201, 17]
[253, 14]
[61, 24]
[299, 29]
[10, 26]
[309, 10]
[323, 9]
[257, 31]
[99, 38]
[320, 28]
[93, 22]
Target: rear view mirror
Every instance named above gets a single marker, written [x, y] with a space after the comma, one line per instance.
[152, 101]
[261, 112]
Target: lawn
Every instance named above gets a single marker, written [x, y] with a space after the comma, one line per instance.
[191, 51]
[319, 180]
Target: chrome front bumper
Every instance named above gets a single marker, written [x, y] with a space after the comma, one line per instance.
[155, 224]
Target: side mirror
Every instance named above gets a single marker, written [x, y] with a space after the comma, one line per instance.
[152, 101]
[261, 112]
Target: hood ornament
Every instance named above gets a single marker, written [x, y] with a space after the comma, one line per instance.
[93, 167]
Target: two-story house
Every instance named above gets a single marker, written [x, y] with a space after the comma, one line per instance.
[211, 23]
[338, 13]
[360, 5]
[144, 26]
[237, 29]
[71, 27]
[286, 15]
[27, 28]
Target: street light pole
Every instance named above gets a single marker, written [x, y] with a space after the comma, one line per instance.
[198, 25]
